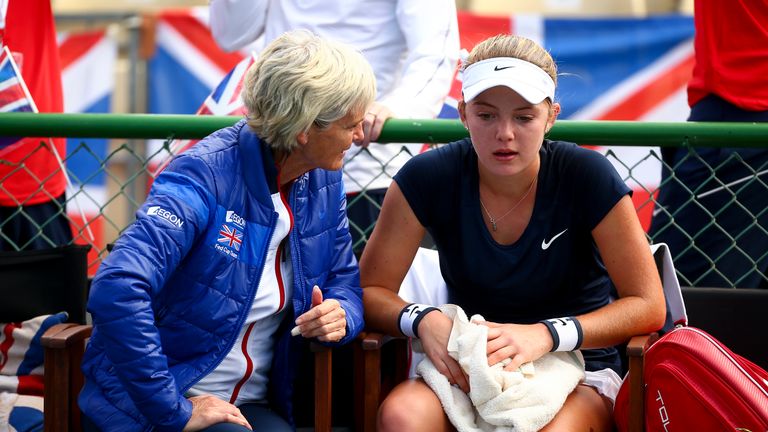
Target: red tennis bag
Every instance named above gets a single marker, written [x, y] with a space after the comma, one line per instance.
[695, 383]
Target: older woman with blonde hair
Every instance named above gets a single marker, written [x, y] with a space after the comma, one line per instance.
[242, 242]
[534, 235]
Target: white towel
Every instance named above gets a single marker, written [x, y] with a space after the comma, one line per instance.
[521, 401]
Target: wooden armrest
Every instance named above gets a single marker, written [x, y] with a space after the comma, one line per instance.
[370, 389]
[636, 349]
[64, 345]
[367, 365]
[65, 335]
[376, 340]
[638, 345]
[371, 340]
[317, 347]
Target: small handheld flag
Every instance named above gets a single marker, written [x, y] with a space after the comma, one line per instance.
[14, 95]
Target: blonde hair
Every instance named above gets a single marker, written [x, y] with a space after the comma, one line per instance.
[519, 47]
[301, 79]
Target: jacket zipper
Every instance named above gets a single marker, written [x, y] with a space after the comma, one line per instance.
[243, 313]
[279, 258]
[293, 240]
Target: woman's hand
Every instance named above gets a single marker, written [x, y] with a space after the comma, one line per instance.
[326, 320]
[434, 331]
[373, 122]
[208, 410]
[520, 343]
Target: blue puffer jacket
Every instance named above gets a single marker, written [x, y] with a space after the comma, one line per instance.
[168, 302]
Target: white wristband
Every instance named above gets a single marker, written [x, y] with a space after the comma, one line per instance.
[410, 317]
[566, 333]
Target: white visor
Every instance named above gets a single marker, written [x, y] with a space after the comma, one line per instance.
[527, 79]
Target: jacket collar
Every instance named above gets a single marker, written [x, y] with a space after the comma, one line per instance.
[257, 164]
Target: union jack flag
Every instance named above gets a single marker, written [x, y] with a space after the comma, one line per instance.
[14, 96]
[224, 100]
[230, 236]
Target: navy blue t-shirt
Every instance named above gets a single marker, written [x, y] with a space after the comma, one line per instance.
[553, 269]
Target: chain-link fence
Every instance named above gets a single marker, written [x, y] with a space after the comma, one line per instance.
[710, 203]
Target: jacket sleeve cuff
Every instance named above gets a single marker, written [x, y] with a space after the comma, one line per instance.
[354, 325]
[180, 418]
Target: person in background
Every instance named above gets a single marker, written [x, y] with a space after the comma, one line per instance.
[413, 46]
[717, 236]
[241, 239]
[32, 182]
[533, 234]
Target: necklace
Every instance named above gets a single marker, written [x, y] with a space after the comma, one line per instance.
[493, 220]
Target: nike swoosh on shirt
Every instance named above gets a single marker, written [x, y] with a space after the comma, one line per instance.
[545, 244]
[657, 210]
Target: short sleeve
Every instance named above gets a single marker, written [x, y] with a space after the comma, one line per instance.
[425, 181]
[599, 185]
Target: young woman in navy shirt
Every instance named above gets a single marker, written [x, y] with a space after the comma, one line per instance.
[535, 235]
